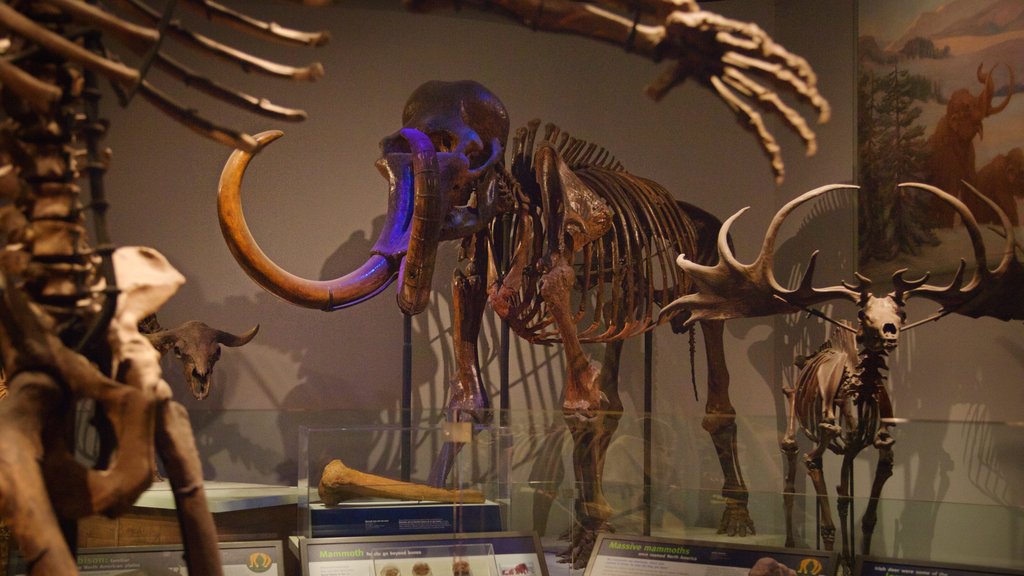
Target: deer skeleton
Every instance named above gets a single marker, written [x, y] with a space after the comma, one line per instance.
[840, 398]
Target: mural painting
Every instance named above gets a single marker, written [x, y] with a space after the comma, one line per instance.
[939, 101]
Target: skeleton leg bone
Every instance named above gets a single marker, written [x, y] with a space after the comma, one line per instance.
[883, 442]
[468, 401]
[814, 469]
[845, 500]
[177, 448]
[720, 423]
[591, 438]
[789, 448]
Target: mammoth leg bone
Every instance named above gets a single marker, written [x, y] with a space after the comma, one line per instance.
[468, 401]
[584, 401]
[720, 423]
[591, 437]
[339, 483]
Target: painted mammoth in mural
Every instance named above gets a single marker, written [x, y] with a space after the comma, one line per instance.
[950, 159]
[590, 257]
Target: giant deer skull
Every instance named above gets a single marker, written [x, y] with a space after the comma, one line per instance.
[441, 168]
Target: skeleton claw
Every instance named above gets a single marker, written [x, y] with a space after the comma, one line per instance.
[883, 440]
[830, 427]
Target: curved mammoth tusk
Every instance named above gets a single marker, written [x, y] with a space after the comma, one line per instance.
[363, 283]
[425, 230]
[236, 340]
[989, 91]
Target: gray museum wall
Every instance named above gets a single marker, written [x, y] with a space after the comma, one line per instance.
[315, 203]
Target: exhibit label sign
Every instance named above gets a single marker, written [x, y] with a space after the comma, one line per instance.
[263, 558]
[616, 555]
[493, 554]
[869, 566]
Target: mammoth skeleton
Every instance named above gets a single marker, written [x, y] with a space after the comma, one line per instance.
[578, 223]
[840, 398]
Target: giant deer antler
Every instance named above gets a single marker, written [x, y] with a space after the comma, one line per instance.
[731, 289]
[994, 292]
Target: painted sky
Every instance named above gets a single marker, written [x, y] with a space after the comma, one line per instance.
[890, 18]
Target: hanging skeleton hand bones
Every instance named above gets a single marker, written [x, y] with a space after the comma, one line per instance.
[725, 55]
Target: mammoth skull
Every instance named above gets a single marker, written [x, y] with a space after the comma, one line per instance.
[441, 168]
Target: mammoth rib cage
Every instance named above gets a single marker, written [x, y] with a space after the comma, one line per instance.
[623, 274]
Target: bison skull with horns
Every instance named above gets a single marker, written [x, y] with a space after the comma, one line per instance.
[197, 346]
[440, 167]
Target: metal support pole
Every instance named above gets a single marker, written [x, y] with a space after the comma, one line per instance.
[648, 429]
[406, 397]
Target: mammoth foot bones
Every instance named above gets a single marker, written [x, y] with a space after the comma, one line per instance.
[40, 479]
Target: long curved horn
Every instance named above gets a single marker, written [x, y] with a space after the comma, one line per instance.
[236, 340]
[989, 91]
[363, 283]
[959, 293]
[732, 289]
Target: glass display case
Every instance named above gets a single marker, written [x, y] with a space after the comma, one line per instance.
[662, 479]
